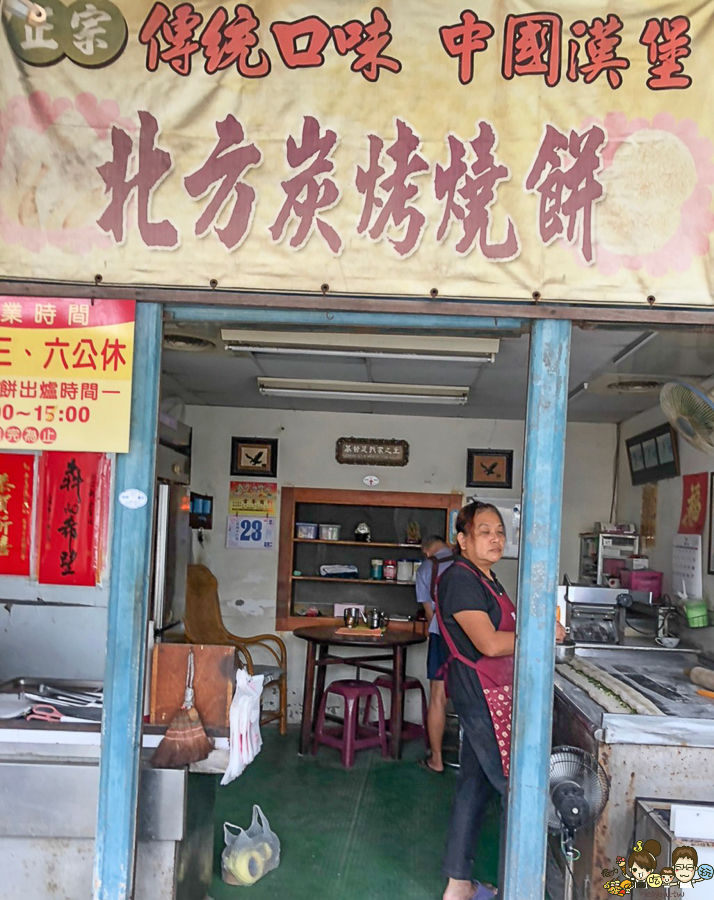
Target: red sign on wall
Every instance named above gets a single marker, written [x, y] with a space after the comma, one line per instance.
[16, 487]
[74, 498]
[694, 503]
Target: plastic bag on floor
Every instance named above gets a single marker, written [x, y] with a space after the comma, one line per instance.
[249, 853]
[245, 739]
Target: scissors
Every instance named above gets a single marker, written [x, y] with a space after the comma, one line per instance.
[43, 712]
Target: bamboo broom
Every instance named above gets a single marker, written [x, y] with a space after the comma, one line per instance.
[185, 740]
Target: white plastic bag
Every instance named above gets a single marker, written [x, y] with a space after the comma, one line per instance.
[245, 738]
[249, 853]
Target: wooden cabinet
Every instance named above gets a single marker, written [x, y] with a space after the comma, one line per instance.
[388, 515]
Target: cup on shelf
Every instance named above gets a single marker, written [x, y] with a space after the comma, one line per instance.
[669, 642]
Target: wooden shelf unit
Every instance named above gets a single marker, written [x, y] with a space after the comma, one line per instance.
[345, 508]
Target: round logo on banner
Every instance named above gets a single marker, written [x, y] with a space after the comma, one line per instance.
[133, 498]
[371, 480]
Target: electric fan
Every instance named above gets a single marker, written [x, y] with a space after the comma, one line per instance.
[691, 411]
[578, 791]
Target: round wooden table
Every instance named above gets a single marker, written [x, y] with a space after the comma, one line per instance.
[324, 637]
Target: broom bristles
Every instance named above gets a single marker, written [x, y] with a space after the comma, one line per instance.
[185, 742]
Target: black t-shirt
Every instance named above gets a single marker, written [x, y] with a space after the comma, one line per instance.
[460, 590]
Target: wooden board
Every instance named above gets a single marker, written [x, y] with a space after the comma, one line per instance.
[214, 682]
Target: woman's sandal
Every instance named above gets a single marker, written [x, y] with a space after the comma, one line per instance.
[424, 763]
[483, 892]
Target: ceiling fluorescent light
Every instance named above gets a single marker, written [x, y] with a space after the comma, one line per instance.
[370, 354]
[387, 346]
[363, 390]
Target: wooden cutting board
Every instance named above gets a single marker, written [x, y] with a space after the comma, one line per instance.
[213, 684]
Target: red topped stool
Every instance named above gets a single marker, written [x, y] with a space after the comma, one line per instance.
[410, 730]
[353, 735]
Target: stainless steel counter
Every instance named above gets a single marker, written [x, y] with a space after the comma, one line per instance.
[49, 783]
[664, 757]
[659, 675]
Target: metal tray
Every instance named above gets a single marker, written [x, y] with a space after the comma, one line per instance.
[52, 688]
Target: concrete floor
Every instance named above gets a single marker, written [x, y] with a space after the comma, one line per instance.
[375, 832]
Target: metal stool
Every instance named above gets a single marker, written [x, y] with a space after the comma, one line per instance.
[348, 740]
[410, 730]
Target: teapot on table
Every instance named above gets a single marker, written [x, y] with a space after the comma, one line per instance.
[375, 618]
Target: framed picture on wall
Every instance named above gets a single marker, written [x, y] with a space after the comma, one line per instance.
[653, 455]
[489, 468]
[254, 456]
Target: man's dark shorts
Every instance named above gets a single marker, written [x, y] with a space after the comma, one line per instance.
[436, 657]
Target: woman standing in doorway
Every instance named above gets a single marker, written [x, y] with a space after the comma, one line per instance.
[478, 623]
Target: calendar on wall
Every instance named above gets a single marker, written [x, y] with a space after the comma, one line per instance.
[687, 564]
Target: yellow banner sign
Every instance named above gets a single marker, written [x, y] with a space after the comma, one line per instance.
[65, 374]
[420, 149]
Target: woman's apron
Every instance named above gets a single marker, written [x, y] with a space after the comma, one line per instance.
[495, 673]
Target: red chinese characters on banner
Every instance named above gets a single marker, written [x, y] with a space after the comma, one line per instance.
[178, 30]
[16, 490]
[301, 44]
[564, 174]
[602, 38]
[310, 190]
[368, 43]
[667, 42]
[152, 166]
[227, 42]
[531, 46]
[387, 198]
[74, 507]
[469, 192]
[229, 161]
[464, 41]
[694, 503]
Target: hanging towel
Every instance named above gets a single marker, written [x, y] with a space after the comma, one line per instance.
[245, 739]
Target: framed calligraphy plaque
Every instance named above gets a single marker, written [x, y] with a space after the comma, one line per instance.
[352, 451]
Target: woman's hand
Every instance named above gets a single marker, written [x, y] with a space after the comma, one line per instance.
[560, 633]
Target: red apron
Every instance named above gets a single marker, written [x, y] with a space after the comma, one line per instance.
[495, 673]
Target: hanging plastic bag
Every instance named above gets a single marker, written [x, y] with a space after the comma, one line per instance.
[245, 739]
[249, 853]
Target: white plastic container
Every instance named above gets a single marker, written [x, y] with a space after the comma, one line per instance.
[330, 532]
[305, 531]
[405, 570]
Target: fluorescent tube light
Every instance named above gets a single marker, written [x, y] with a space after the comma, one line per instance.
[386, 346]
[459, 400]
[363, 390]
[370, 354]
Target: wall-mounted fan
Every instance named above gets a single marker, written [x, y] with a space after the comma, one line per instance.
[579, 789]
[691, 411]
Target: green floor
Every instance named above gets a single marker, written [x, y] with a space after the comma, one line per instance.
[375, 831]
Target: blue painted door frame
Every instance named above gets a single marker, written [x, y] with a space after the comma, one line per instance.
[127, 624]
[540, 541]
[546, 415]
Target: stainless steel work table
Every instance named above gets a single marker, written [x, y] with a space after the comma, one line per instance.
[49, 783]
[664, 757]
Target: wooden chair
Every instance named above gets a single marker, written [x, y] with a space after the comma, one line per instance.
[204, 625]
